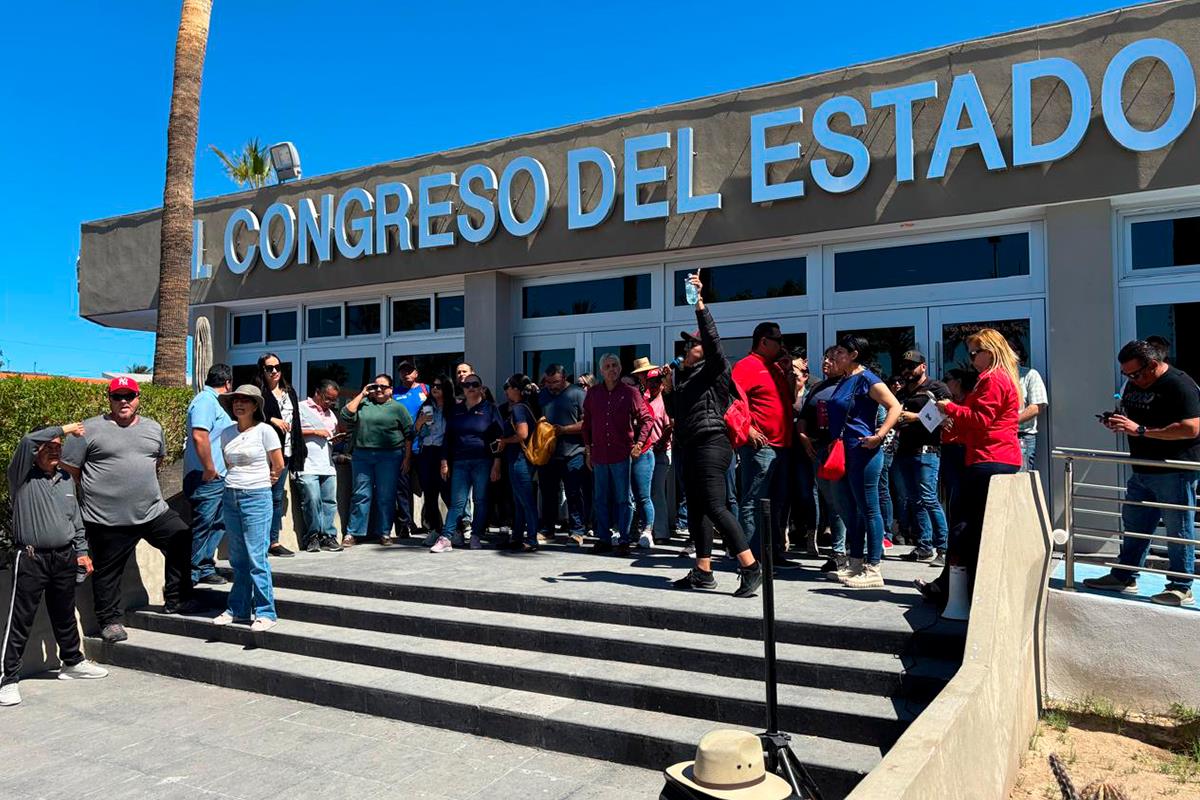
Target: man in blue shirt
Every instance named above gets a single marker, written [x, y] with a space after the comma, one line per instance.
[410, 394]
[204, 472]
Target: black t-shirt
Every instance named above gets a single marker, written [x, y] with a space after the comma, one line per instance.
[815, 412]
[1172, 398]
[914, 436]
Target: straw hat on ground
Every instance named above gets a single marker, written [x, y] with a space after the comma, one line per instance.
[730, 765]
[248, 391]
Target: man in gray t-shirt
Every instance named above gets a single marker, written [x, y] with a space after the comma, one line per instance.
[117, 463]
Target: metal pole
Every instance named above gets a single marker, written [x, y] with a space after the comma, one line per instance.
[1068, 522]
[768, 592]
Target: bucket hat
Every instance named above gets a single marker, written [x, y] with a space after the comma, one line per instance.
[248, 391]
[730, 765]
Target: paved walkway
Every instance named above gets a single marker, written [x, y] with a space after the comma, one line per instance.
[138, 735]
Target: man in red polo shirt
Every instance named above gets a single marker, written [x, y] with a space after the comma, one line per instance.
[763, 461]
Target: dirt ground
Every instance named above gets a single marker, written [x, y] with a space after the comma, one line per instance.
[1147, 759]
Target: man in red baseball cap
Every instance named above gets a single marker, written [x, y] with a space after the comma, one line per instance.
[117, 462]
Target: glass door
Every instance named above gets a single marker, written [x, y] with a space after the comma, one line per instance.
[1022, 322]
[431, 357]
[1172, 312]
[888, 333]
[533, 354]
[351, 367]
[628, 345]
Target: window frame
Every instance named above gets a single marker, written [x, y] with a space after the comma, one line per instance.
[268, 341]
[233, 317]
[1127, 219]
[763, 308]
[341, 336]
[358, 337]
[599, 321]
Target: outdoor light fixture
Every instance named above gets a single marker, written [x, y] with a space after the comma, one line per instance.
[286, 161]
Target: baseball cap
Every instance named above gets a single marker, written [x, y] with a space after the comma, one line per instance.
[123, 385]
[690, 336]
[406, 367]
[912, 357]
[654, 373]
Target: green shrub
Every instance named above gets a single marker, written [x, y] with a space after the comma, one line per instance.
[26, 404]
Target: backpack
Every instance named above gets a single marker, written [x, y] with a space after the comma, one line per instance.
[539, 447]
[737, 419]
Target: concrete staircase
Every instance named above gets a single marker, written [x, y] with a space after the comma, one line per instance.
[632, 683]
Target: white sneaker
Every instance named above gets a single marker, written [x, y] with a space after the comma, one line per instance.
[83, 670]
[646, 540]
[10, 695]
[262, 625]
[442, 545]
[852, 568]
[870, 577]
[224, 618]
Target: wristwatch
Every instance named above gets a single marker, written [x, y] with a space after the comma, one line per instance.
[1141, 430]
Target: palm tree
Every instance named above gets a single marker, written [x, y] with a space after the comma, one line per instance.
[175, 239]
[138, 369]
[253, 164]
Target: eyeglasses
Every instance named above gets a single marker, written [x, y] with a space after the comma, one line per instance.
[123, 397]
[271, 368]
[1133, 376]
[472, 384]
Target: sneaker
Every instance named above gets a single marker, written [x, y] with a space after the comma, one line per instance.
[84, 670]
[869, 577]
[546, 538]
[749, 581]
[831, 564]
[10, 695]
[189, 606]
[852, 567]
[442, 545]
[939, 560]
[602, 546]
[431, 538]
[314, 545]
[476, 542]
[646, 540]
[921, 554]
[349, 541]
[689, 550]
[1174, 594]
[930, 590]
[330, 544]
[887, 543]
[577, 538]
[262, 625]
[787, 563]
[279, 551]
[386, 541]
[458, 539]
[113, 633]
[213, 580]
[696, 579]
[1111, 583]
[223, 619]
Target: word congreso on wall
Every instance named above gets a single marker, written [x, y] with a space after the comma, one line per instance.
[362, 223]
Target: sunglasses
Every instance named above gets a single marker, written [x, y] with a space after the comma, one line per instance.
[775, 339]
[973, 353]
[271, 368]
[378, 387]
[123, 397]
[472, 384]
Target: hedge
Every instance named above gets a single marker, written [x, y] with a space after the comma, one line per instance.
[26, 404]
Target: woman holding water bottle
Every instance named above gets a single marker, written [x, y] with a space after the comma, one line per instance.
[700, 393]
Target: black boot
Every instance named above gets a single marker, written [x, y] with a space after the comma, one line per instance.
[750, 579]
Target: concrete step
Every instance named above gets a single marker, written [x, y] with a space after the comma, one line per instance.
[627, 735]
[891, 634]
[866, 719]
[847, 670]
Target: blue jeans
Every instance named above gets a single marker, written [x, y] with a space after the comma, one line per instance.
[831, 491]
[571, 473]
[468, 477]
[885, 493]
[319, 502]
[764, 475]
[681, 509]
[277, 497]
[1163, 487]
[208, 527]
[374, 473]
[641, 473]
[860, 503]
[525, 516]
[659, 494]
[801, 501]
[247, 514]
[612, 499]
[1028, 452]
[919, 477]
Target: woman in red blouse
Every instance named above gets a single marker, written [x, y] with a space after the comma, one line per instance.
[985, 422]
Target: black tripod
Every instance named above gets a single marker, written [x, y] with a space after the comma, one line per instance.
[777, 745]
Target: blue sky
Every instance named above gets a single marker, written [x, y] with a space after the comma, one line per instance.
[87, 85]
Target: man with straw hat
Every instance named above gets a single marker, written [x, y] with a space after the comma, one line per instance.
[729, 765]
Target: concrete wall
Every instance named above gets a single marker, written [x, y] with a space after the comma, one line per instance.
[488, 329]
[967, 743]
[1140, 656]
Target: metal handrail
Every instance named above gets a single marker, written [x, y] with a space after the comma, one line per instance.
[1069, 455]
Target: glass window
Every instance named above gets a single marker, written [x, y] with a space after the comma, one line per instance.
[784, 277]
[325, 321]
[410, 315]
[449, 311]
[246, 373]
[884, 347]
[362, 319]
[626, 352]
[982, 258]
[1166, 243]
[954, 340]
[247, 329]
[351, 374]
[737, 347]
[536, 361]
[281, 326]
[429, 365]
[1179, 324]
[630, 293]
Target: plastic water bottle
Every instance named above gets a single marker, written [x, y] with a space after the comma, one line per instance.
[689, 291]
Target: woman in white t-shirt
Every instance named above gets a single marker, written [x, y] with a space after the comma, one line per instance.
[253, 462]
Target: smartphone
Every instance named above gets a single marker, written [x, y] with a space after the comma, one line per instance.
[1104, 417]
[427, 411]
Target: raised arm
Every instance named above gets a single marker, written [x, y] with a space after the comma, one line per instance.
[26, 453]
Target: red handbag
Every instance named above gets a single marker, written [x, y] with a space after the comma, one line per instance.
[737, 420]
[834, 468]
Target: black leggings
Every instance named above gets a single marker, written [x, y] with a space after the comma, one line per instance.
[967, 531]
[705, 462]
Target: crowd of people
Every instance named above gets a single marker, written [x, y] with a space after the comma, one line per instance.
[850, 464]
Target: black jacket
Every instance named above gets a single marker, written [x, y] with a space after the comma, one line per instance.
[700, 394]
[271, 411]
